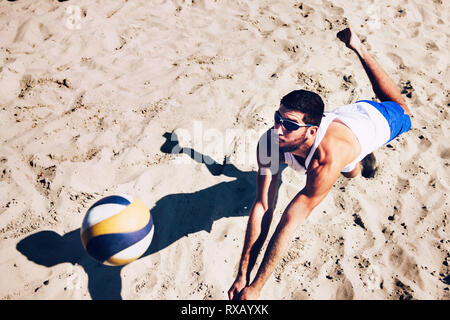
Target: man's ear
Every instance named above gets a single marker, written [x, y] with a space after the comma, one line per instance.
[312, 131]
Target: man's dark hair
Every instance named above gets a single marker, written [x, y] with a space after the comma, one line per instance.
[307, 102]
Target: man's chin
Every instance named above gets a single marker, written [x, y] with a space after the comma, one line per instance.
[287, 148]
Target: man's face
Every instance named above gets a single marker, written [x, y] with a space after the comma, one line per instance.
[290, 140]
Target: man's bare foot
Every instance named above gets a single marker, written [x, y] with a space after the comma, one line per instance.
[351, 40]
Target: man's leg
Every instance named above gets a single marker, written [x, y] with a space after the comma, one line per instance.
[354, 172]
[367, 167]
[382, 84]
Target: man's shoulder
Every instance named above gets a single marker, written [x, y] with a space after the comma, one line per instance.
[338, 147]
[339, 136]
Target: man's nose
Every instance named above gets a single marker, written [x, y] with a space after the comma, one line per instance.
[277, 129]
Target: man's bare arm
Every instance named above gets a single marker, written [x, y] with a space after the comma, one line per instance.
[319, 182]
[259, 221]
[258, 226]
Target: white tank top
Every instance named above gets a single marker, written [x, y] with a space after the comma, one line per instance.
[366, 122]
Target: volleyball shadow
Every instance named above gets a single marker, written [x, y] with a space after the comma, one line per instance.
[174, 216]
[181, 214]
[49, 249]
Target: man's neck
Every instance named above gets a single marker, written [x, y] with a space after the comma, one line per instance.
[304, 149]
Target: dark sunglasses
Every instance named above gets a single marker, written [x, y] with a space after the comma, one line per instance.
[289, 125]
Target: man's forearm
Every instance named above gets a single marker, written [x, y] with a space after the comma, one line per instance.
[293, 216]
[257, 229]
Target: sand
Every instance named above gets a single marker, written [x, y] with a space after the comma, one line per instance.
[91, 90]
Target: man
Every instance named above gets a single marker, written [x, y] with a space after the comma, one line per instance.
[326, 144]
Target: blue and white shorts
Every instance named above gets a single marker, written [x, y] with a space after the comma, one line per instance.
[398, 121]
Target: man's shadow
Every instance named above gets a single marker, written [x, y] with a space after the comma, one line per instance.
[174, 216]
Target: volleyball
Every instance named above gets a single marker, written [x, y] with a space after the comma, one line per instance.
[117, 230]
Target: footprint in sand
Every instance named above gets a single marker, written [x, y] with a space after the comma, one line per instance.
[402, 291]
[32, 33]
[404, 263]
[44, 177]
[306, 10]
[431, 45]
[407, 88]
[397, 60]
[345, 291]
[424, 143]
[403, 185]
[340, 201]
[45, 32]
[400, 12]
[333, 9]
[445, 154]
[26, 84]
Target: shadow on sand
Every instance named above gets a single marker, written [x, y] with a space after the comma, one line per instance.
[174, 216]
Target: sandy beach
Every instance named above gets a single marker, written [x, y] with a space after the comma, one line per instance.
[91, 92]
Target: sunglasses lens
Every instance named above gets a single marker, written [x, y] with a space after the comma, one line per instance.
[290, 126]
[277, 118]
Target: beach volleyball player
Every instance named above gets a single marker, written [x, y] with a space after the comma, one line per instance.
[324, 145]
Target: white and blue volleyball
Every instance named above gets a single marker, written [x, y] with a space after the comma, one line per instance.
[117, 230]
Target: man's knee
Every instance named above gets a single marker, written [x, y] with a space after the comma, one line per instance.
[354, 172]
[402, 103]
[405, 108]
